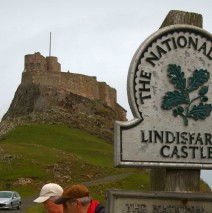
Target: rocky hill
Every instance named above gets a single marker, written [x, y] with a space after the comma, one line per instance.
[40, 99]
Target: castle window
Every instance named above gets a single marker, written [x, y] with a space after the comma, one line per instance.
[32, 65]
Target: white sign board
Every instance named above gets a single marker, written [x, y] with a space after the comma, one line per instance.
[170, 95]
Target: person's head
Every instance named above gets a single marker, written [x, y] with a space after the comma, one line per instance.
[75, 199]
[48, 194]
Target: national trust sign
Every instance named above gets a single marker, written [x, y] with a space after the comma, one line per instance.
[170, 95]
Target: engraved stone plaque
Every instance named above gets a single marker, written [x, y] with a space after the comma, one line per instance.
[170, 95]
[119, 201]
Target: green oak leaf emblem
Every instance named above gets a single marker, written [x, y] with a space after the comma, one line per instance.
[179, 100]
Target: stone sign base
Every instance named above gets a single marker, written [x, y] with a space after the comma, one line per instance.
[120, 201]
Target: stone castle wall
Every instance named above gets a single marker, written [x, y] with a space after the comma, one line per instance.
[47, 72]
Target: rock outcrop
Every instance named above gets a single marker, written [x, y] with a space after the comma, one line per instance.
[44, 102]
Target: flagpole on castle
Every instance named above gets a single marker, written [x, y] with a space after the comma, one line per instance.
[50, 44]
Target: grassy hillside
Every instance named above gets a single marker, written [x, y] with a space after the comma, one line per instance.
[31, 156]
[37, 154]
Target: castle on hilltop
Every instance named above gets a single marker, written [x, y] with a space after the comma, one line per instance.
[46, 71]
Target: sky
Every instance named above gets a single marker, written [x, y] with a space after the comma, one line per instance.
[90, 37]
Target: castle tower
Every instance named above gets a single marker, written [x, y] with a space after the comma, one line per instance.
[37, 62]
[52, 64]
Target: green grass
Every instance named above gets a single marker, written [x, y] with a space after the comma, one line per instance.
[95, 151]
[57, 153]
[36, 152]
[136, 181]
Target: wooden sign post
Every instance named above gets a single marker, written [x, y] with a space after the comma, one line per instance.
[175, 179]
